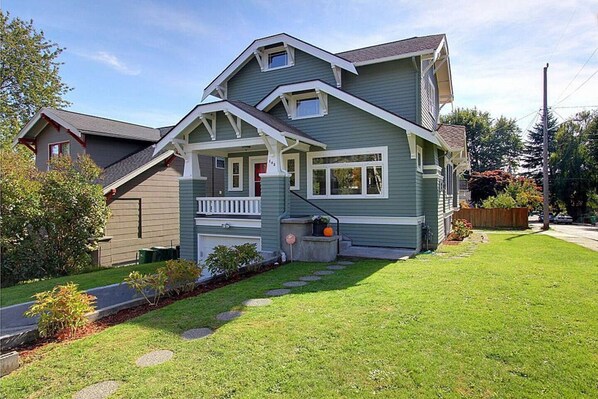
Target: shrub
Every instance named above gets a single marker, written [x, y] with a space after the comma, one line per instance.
[62, 308]
[247, 254]
[181, 275]
[500, 201]
[461, 230]
[227, 260]
[148, 284]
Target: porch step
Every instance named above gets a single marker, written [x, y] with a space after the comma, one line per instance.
[376, 252]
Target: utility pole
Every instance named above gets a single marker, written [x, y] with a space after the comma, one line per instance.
[545, 188]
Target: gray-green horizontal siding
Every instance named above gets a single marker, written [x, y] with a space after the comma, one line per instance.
[428, 119]
[346, 127]
[251, 85]
[231, 231]
[391, 85]
[189, 190]
[404, 236]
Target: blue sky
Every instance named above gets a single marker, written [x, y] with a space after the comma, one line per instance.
[148, 62]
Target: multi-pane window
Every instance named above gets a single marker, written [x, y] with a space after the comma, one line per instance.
[449, 179]
[292, 168]
[432, 97]
[219, 163]
[348, 174]
[235, 174]
[278, 59]
[308, 107]
[420, 159]
[57, 149]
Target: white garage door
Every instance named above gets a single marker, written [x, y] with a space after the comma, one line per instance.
[206, 243]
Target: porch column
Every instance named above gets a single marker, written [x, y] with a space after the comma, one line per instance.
[191, 186]
[433, 207]
[275, 205]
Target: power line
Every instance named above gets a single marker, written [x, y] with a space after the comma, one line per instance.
[580, 86]
[576, 75]
[556, 46]
[574, 106]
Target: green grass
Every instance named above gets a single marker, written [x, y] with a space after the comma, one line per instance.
[517, 319]
[24, 292]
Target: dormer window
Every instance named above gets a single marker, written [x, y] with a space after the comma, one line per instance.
[275, 57]
[278, 60]
[308, 104]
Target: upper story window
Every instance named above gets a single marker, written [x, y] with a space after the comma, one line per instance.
[431, 89]
[356, 173]
[235, 174]
[420, 159]
[219, 163]
[56, 149]
[275, 58]
[306, 105]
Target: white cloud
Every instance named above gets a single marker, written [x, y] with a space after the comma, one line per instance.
[113, 62]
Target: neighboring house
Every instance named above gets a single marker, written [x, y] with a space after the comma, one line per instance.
[141, 188]
[355, 133]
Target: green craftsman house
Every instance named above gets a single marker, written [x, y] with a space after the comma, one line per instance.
[303, 131]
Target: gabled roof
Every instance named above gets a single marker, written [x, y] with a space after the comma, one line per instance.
[263, 121]
[393, 50]
[248, 53]
[131, 166]
[79, 124]
[453, 135]
[365, 106]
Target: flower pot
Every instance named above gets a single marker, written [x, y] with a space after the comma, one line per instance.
[318, 229]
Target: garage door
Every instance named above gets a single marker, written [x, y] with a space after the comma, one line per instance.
[206, 243]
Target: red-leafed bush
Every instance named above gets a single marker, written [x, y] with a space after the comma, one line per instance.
[461, 230]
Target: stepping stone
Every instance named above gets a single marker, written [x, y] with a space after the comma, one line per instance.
[295, 283]
[310, 278]
[324, 272]
[154, 358]
[335, 267]
[278, 292]
[258, 302]
[230, 315]
[344, 262]
[196, 333]
[100, 390]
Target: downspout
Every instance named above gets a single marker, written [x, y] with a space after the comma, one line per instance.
[418, 82]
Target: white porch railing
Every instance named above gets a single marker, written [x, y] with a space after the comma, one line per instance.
[231, 206]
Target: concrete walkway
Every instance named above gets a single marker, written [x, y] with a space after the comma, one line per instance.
[584, 235]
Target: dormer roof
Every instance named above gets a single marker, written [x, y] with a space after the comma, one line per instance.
[281, 38]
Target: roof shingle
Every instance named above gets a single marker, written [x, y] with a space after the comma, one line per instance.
[454, 135]
[393, 49]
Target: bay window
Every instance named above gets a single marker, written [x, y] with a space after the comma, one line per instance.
[356, 173]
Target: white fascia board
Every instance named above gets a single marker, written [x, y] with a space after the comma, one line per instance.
[137, 171]
[246, 55]
[393, 58]
[391, 118]
[37, 117]
[216, 107]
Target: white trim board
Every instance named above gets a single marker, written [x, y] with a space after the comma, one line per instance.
[219, 222]
[382, 220]
[389, 117]
[138, 171]
[249, 53]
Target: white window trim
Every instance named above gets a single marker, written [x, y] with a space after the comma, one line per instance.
[216, 159]
[432, 97]
[264, 159]
[322, 97]
[364, 165]
[420, 159]
[232, 161]
[279, 49]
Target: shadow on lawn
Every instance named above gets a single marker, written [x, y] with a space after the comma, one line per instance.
[524, 235]
[200, 311]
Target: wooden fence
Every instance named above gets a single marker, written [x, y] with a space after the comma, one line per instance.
[514, 218]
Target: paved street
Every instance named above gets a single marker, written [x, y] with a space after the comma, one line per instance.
[586, 236]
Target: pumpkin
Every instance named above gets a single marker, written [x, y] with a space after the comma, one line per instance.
[328, 232]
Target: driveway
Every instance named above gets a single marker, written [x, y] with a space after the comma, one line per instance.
[584, 235]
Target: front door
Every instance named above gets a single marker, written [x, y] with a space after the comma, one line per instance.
[257, 180]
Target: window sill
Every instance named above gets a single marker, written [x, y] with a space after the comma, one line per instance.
[277, 68]
[344, 197]
[307, 117]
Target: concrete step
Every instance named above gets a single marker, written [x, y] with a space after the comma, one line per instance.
[378, 253]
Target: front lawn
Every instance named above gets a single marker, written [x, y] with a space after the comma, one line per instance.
[24, 292]
[518, 318]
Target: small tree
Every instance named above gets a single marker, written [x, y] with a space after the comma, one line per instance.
[487, 184]
[75, 212]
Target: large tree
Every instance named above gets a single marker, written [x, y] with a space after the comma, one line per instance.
[491, 143]
[531, 160]
[29, 75]
[575, 172]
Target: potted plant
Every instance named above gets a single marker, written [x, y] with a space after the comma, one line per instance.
[319, 224]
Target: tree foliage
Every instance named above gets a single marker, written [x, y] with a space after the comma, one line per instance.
[48, 218]
[521, 192]
[487, 184]
[492, 143]
[533, 150]
[29, 75]
[574, 163]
